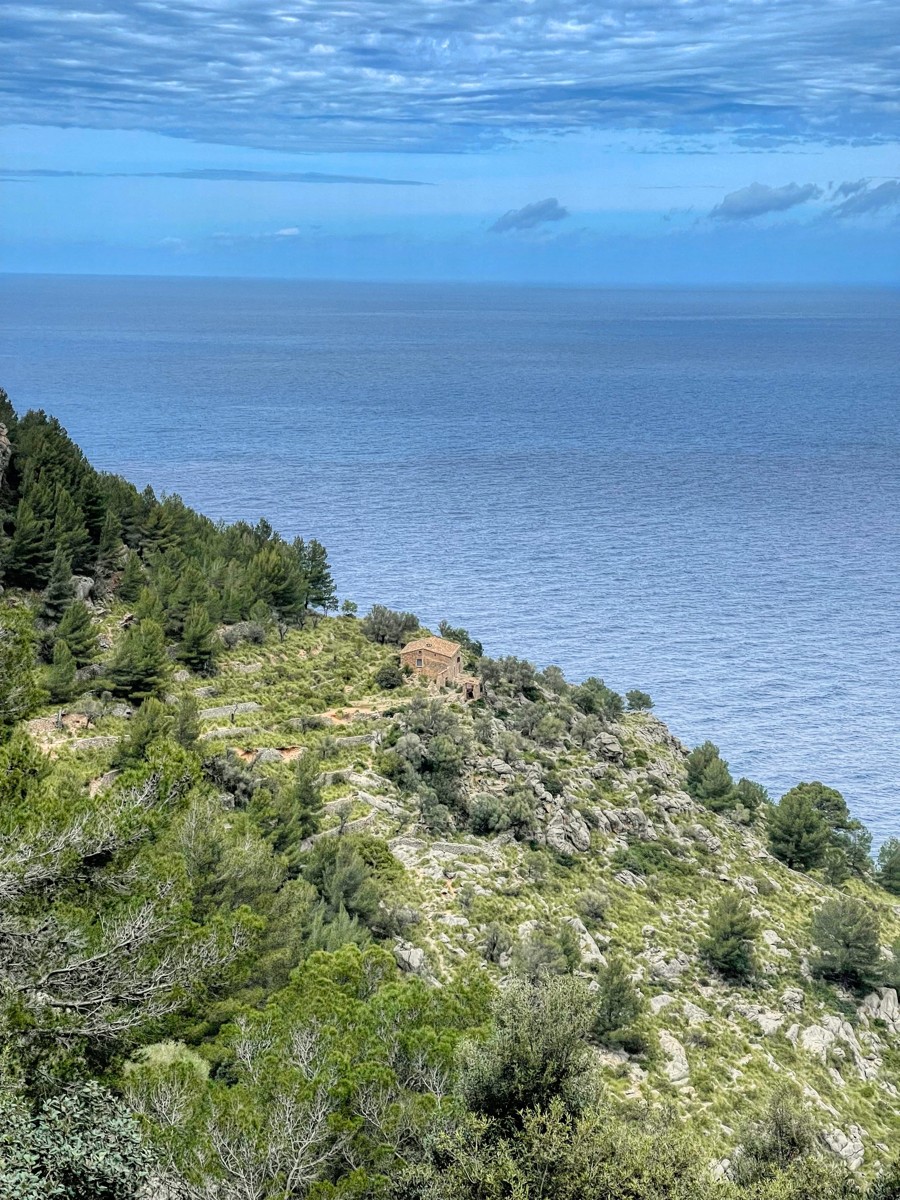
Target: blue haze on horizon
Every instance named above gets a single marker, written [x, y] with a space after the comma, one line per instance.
[701, 142]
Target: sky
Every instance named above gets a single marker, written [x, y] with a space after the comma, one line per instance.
[667, 142]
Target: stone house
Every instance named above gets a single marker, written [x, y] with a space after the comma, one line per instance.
[440, 660]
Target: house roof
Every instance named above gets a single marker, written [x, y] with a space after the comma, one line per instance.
[436, 645]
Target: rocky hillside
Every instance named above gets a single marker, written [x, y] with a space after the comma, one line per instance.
[521, 830]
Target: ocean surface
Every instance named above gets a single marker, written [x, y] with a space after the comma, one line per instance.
[692, 492]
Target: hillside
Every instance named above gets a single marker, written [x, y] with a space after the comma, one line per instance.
[257, 878]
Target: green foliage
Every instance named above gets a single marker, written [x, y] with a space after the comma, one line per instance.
[198, 646]
[390, 676]
[732, 932]
[783, 1134]
[59, 592]
[150, 723]
[82, 1144]
[548, 949]
[846, 935]
[61, 676]
[22, 769]
[293, 812]
[20, 692]
[594, 698]
[798, 833]
[132, 581]
[535, 1050]
[76, 630]
[638, 701]
[387, 627]
[186, 730]
[618, 1004]
[473, 649]
[889, 865]
[513, 810]
[140, 665]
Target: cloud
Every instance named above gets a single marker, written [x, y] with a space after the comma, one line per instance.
[397, 75]
[850, 188]
[869, 200]
[758, 199]
[529, 217]
[212, 175]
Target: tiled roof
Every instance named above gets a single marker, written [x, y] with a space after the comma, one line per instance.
[436, 645]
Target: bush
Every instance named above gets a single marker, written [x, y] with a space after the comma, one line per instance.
[496, 814]
[729, 944]
[592, 905]
[784, 1134]
[847, 936]
[638, 701]
[536, 1049]
[390, 676]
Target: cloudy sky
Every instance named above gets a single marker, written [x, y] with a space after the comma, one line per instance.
[582, 141]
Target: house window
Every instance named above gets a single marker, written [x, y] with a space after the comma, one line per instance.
[419, 661]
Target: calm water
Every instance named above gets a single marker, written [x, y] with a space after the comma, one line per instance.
[695, 493]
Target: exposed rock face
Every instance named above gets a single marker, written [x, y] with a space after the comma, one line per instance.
[83, 585]
[229, 710]
[663, 968]
[882, 1005]
[676, 1068]
[848, 1145]
[631, 823]
[409, 957]
[567, 832]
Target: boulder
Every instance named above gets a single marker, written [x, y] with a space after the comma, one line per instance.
[658, 1003]
[590, 951]
[882, 1005]
[676, 1066]
[567, 832]
[409, 958]
[631, 823]
[83, 585]
[703, 837]
[849, 1145]
[669, 969]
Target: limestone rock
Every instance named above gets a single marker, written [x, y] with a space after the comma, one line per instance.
[590, 951]
[83, 585]
[631, 823]
[792, 999]
[703, 837]
[661, 967]
[409, 958]
[663, 1000]
[676, 1067]
[567, 832]
[629, 879]
[882, 1005]
[848, 1145]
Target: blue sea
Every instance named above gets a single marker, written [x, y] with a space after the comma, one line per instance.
[692, 492]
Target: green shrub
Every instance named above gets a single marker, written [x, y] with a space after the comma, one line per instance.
[846, 935]
[732, 932]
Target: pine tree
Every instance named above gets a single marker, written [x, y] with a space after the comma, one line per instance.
[22, 768]
[889, 865]
[321, 591]
[61, 677]
[27, 555]
[109, 548]
[70, 532]
[846, 934]
[618, 1002]
[197, 648]
[151, 722]
[140, 665]
[76, 629]
[798, 833]
[59, 592]
[732, 931]
[133, 580]
[149, 606]
[186, 730]
[191, 592]
[716, 785]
